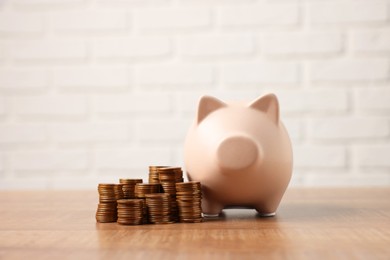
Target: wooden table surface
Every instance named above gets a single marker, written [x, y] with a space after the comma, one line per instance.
[310, 224]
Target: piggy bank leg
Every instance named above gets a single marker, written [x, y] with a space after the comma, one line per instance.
[211, 208]
[266, 209]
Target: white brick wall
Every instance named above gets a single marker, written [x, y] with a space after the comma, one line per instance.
[174, 75]
[356, 70]
[48, 160]
[303, 43]
[260, 73]
[88, 21]
[271, 15]
[22, 133]
[373, 99]
[172, 18]
[48, 106]
[95, 90]
[46, 50]
[23, 79]
[14, 23]
[216, 45]
[346, 128]
[345, 13]
[90, 78]
[90, 132]
[370, 40]
[127, 48]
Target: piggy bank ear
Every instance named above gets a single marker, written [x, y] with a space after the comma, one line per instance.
[268, 104]
[207, 105]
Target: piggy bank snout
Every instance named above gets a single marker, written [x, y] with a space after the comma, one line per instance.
[237, 153]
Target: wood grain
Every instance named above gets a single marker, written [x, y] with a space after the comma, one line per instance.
[310, 224]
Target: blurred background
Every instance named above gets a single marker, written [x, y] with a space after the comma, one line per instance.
[91, 91]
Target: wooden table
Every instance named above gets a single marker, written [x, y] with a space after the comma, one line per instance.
[310, 224]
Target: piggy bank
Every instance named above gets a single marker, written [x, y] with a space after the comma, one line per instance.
[241, 153]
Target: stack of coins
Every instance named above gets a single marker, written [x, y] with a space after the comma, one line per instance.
[141, 189]
[170, 174]
[189, 200]
[118, 190]
[160, 208]
[129, 187]
[130, 211]
[165, 199]
[168, 177]
[153, 173]
[107, 211]
[169, 188]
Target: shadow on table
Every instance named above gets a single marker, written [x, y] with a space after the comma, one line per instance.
[291, 212]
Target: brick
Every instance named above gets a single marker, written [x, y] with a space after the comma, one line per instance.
[124, 3]
[308, 101]
[309, 156]
[350, 70]
[346, 180]
[215, 2]
[220, 45]
[118, 159]
[22, 133]
[88, 20]
[90, 132]
[172, 18]
[348, 128]
[1, 163]
[260, 72]
[373, 99]
[371, 40]
[2, 51]
[12, 22]
[373, 155]
[131, 47]
[348, 12]
[302, 43]
[92, 77]
[174, 75]
[2, 106]
[49, 160]
[50, 3]
[162, 130]
[258, 15]
[49, 106]
[135, 103]
[23, 79]
[49, 50]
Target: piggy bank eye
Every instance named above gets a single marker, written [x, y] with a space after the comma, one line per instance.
[269, 105]
[207, 105]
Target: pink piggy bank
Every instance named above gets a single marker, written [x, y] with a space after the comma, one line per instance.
[241, 153]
